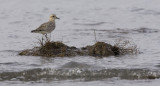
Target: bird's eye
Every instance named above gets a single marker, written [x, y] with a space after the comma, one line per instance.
[52, 16]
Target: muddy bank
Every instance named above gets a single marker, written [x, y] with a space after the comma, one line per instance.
[59, 49]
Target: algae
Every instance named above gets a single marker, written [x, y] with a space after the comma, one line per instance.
[59, 49]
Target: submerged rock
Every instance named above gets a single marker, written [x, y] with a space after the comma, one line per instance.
[58, 49]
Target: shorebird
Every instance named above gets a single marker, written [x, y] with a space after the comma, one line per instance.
[46, 27]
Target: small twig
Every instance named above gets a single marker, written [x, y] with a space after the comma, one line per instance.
[40, 41]
[95, 35]
[62, 39]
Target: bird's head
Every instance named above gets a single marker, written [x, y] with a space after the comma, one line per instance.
[53, 17]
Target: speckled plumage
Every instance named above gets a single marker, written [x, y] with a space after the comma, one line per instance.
[47, 27]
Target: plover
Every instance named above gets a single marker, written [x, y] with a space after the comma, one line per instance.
[46, 27]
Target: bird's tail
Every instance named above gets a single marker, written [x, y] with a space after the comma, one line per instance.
[33, 31]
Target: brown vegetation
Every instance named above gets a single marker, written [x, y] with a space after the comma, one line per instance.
[58, 49]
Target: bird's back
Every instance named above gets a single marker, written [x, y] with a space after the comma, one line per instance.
[44, 28]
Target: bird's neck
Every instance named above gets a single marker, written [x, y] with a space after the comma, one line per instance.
[51, 19]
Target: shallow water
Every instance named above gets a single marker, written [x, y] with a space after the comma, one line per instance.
[111, 20]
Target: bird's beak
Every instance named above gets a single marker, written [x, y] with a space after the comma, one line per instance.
[57, 18]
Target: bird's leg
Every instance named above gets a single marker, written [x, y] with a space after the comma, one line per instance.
[46, 38]
[42, 41]
[50, 37]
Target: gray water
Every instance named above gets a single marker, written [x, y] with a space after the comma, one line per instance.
[136, 21]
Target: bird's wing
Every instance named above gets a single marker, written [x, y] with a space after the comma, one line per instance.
[42, 27]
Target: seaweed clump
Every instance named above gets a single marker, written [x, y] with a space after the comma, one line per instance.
[52, 49]
[126, 47]
[101, 49]
[59, 49]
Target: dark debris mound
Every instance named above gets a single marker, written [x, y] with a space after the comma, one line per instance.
[58, 49]
[53, 49]
[101, 49]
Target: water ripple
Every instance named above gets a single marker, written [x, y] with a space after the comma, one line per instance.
[76, 73]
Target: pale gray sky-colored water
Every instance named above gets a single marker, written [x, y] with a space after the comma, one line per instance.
[78, 19]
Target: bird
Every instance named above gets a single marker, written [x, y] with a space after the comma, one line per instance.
[46, 27]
